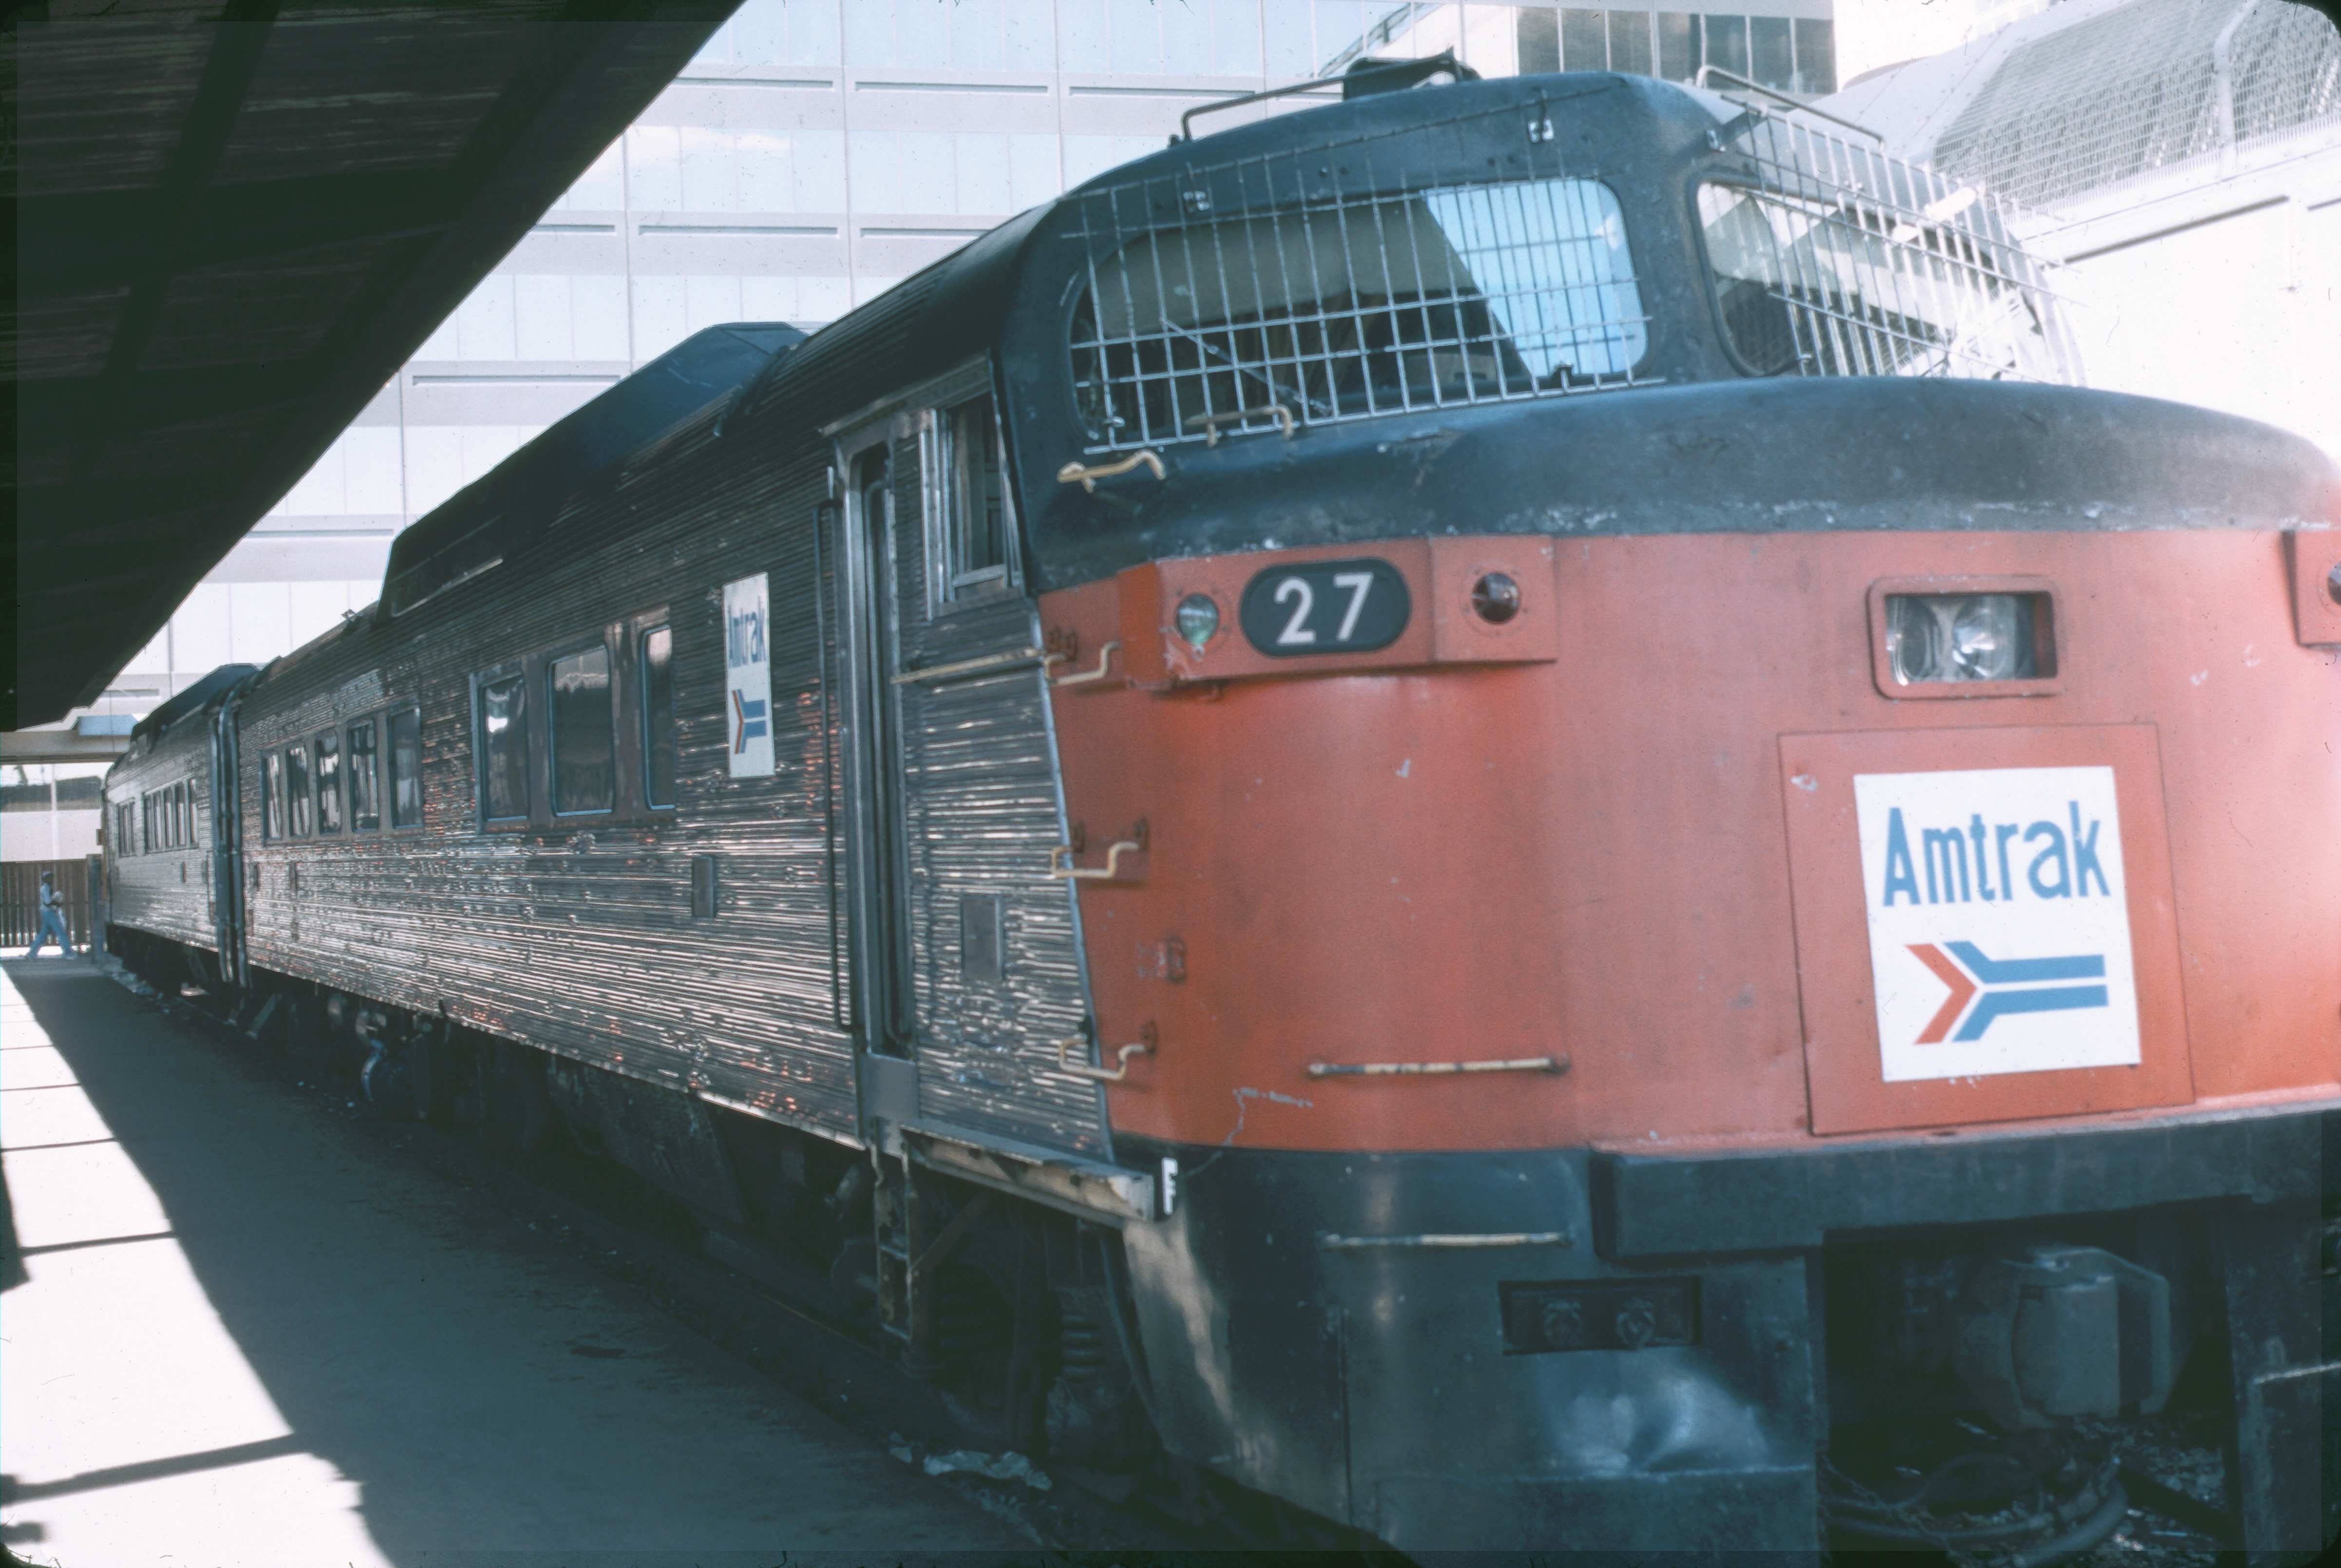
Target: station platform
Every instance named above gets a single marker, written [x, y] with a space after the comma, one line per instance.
[236, 1334]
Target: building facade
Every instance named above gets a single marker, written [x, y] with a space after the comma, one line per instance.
[816, 152]
[2182, 159]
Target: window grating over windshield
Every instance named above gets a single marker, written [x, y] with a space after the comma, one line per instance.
[1833, 259]
[1325, 308]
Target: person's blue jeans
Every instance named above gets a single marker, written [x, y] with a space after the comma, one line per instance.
[53, 922]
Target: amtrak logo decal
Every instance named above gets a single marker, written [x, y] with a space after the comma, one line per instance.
[2004, 987]
[748, 675]
[1998, 922]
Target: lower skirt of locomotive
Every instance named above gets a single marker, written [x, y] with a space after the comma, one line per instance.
[1588, 1350]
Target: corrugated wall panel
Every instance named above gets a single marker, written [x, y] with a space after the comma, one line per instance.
[167, 892]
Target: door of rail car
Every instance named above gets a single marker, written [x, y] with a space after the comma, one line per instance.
[966, 968]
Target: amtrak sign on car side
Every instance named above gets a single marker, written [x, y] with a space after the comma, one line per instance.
[748, 677]
[1999, 936]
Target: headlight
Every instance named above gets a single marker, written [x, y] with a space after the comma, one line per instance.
[1932, 637]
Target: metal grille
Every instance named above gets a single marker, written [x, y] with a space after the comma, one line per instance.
[1834, 259]
[2141, 88]
[1254, 294]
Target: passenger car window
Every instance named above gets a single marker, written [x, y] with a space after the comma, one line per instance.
[297, 788]
[657, 664]
[406, 769]
[329, 783]
[584, 733]
[365, 778]
[975, 499]
[272, 796]
[500, 753]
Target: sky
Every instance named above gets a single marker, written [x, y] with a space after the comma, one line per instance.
[1875, 32]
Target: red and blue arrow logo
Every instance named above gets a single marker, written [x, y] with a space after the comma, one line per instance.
[748, 714]
[1999, 987]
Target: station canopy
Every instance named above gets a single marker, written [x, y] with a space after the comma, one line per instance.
[235, 219]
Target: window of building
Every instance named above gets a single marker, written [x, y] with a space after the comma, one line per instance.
[329, 783]
[296, 789]
[365, 778]
[500, 753]
[657, 662]
[1816, 56]
[584, 732]
[1772, 59]
[1678, 46]
[975, 498]
[272, 796]
[1584, 41]
[1726, 43]
[1629, 42]
[406, 769]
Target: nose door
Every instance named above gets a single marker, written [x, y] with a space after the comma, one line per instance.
[968, 969]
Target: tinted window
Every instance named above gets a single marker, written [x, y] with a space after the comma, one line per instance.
[658, 715]
[977, 503]
[329, 783]
[1816, 56]
[297, 788]
[405, 769]
[365, 778]
[1727, 42]
[272, 796]
[1584, 41]
[1768, 53]
[501, 752]
[584, 733]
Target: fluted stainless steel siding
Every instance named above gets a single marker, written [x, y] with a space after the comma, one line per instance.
[981, 811]
[169, 891]
[581, 941]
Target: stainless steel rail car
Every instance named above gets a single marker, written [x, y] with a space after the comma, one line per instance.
[1482, 809]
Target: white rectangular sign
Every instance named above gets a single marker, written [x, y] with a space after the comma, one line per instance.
[1998, 922]
[748, 677]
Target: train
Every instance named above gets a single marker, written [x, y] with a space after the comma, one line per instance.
[1489, 815]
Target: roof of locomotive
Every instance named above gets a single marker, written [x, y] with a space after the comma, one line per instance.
[505, 509]
[195, 699]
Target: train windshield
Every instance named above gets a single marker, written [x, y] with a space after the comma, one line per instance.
[1832, 259]
[1361, 306]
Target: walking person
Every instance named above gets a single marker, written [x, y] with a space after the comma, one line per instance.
[53, 918]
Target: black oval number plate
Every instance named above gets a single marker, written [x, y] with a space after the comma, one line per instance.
[1325, 607]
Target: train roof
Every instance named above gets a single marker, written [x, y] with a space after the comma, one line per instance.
[513, 503]
[194, 700]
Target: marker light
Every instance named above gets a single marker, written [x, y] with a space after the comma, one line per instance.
[1932, 637]
[1198, 618]
[1495, 599]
